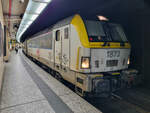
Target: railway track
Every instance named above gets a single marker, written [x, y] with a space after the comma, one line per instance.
[126, 101]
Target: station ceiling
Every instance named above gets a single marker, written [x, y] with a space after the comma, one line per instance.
[13, 11]
[33, 10]
[59, 9]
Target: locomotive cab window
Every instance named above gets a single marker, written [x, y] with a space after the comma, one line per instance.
[95, 31]
[117, 33]
[66, 33]
[113, 32]
[57, 35]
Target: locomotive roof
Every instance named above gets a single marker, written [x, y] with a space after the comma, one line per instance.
[63, 22]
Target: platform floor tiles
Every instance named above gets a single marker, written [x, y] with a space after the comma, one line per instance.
[29, 89]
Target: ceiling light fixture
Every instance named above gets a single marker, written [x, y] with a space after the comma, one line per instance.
[33, 10]
[102, 18]
[40, 7]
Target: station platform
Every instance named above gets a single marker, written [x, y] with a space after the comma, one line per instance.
[29, 89]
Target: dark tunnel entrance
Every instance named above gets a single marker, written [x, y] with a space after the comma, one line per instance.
[134, 16]
[136, 25]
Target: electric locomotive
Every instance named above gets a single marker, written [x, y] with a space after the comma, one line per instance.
[92, 55]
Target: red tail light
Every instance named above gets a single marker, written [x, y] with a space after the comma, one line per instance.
[91, 39]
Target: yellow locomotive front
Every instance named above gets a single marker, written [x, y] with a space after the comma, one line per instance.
[109, 49]
[103, 56]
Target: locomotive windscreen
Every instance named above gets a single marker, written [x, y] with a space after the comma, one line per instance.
[117, 33]
[104, 32]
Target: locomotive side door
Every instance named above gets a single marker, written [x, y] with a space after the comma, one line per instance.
[58, 48]
[65, 47]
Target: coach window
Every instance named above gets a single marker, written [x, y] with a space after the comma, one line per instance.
[57, 35]
[66, 34]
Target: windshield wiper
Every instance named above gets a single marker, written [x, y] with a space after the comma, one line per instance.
[106, 44]
[122, 43]
[107, 30]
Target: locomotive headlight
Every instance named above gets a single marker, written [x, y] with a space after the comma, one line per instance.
[128, 61]
[85, 62]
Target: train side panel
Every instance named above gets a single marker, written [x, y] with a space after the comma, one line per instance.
[75, 50]
[62, 49]
[68, 57]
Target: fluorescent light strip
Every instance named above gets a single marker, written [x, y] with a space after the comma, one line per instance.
[34, 17]
[30, 15]
[40, 8]
[42, 1]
